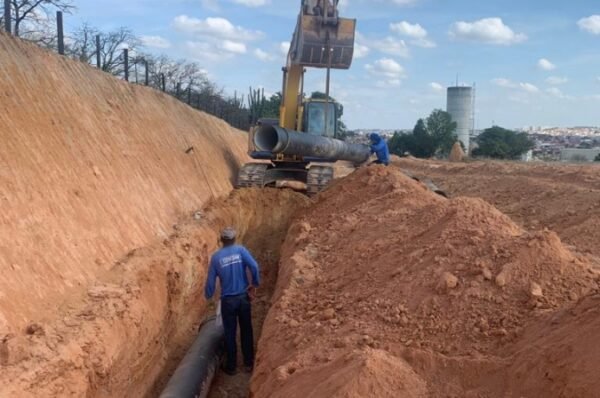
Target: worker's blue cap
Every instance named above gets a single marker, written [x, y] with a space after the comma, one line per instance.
[228, 233]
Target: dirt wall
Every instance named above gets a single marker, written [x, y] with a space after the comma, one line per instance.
[91, 167]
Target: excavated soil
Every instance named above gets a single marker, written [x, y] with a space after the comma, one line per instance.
[563, 198]
[125, 335]
[386, 289]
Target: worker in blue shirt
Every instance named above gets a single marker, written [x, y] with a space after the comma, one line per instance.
[380, 148]
[229, 265]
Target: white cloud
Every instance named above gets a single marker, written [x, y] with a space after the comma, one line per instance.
[506, 83]
[598, 79]
[233, 47]
[590, 24]
[530, 88]
[501, 82]
[388, 69]
[284, 47]
[415, 31]
[391, 46]
[263, 55]
[207, 51]
[437, 87]
[252, 3]
[214, 28]
[556, 80]
[360, 50]
[487, 30]
[544, 64]
[555, 92]
[404, 28]
[155, 42]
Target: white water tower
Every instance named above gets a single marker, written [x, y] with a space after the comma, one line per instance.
[461, 105]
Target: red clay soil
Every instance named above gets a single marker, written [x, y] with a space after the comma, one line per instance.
[564, 198]
[386, 289]
[126, 333]
[91, 167]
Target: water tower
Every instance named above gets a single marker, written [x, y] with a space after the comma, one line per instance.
[461, 105]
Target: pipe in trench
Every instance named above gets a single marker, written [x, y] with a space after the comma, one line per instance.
[195, 373]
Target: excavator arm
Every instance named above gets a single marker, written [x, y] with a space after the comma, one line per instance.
[321, 40]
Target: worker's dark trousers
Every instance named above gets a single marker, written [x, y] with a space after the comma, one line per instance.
[233, 309]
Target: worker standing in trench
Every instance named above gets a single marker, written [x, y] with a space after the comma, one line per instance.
[229, 264]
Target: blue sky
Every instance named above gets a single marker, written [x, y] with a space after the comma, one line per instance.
[534, 62]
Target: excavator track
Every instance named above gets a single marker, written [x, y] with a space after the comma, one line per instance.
[318, 179]
[252, 175]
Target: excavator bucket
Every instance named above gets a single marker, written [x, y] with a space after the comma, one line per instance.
[310, 45]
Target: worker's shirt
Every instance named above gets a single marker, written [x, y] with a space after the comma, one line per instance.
[229, 264]
[382, 151]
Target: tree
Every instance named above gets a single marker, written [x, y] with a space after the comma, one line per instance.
[597, 158]
[31, 13]
[432, 136]
[442, 130]
[112, 44]
[499, 143]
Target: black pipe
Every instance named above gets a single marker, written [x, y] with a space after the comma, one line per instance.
[195, 373]
[278, 140]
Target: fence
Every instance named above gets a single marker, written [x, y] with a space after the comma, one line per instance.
[231, 110]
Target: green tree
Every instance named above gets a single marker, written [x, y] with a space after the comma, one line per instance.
[442, 130]
[432, 136]
[499, 143]
[597, 159]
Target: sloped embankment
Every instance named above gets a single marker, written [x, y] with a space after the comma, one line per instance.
[124, 334]
[386, 289]
[91, 167]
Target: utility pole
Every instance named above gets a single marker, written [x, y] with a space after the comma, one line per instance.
[7, 17]
[60, 31]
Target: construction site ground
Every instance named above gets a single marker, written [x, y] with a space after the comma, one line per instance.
[377, 287]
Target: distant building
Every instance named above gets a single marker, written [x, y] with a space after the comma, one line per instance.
[579, 155]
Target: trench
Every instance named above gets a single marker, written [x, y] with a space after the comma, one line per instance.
[263, 236]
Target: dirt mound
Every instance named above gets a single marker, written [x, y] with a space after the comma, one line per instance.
[361, 373]
[381, 262]
[562, 198]
[125, 333]
[91, 168]
[457, 154]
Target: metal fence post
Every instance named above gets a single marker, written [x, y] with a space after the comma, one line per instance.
[7, 17]
[98, 60]
[147, 72]
[164, 83]
[189, 95]
[126, 63]
[61, 33]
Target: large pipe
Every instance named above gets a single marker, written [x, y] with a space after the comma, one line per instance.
[278, 140]
[194, 375]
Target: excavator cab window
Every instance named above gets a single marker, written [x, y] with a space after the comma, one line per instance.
[315, 118]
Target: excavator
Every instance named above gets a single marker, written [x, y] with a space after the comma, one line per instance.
[306, 130]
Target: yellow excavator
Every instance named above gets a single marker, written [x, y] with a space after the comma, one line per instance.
[306, 130]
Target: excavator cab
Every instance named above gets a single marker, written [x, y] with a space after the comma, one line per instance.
[320, 29]
[320, 118]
